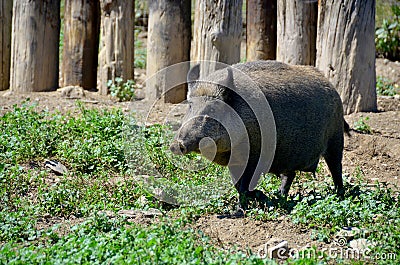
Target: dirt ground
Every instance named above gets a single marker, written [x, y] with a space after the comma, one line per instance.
[377, 155]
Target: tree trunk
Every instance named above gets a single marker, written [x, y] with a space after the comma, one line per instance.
[35, 45]
[261, 30]
[5, 42]
[297, 31]
[168, 43]
[81, 43]
[116, 56]
[346, 51]
[219, 26]
[196, 24]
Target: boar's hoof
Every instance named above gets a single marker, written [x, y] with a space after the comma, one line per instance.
[245, 197]
[340, 192]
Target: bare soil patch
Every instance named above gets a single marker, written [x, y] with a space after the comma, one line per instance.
[251, 234]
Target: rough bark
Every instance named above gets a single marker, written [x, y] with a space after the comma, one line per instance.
[35, 45]
[5, 42]
[116, 52]
[261, 30]
[168, 43]
[297, 31]
[196, 23]
[218, 36]
[346, 51]
[81, 43]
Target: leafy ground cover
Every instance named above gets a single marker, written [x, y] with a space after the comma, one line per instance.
[61, 219]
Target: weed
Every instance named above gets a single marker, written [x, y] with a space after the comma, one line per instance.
[386, 87]
[140, 55]
[387, 38]
[106, 241]
[362, 126]
[140, 52]
[123, 91]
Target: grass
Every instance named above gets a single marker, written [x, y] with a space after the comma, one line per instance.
[140, 52]
[105, 151]
[386, 87]
[383, 10]
[362, 125]
[100, 240]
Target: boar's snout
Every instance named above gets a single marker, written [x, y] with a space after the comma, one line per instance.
[178, 148]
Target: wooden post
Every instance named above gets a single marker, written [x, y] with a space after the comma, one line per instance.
[35, 45]
[116, 52]
[218, 36]
[194, 50]
[5, 42]
[81, 43]
[297, 31]
[168, 43]
[346, 51]
[261, 30]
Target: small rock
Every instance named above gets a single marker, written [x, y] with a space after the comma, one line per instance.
[140, 94]
[385, 62]
[128, 213]
[142, 200]
[348, 233]
[56, 166]
[107, 213]
[152, 212]
[90, 101]
[134, 213]
[397, 96]
[72, 92]
[165, 196]
[361, 244]
[386, 97]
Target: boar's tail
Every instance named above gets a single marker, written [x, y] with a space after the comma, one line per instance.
[346, 127]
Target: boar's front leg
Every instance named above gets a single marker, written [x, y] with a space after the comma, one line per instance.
[242, 186]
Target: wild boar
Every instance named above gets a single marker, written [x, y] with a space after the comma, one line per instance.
[306, 122]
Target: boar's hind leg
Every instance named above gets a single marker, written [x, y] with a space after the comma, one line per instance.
[286, 182]
[333, 158]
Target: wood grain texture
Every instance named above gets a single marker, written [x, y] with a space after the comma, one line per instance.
[116, 50]
[5, 42]
[261, 30]
[346, 51]
[218, 29]
[168, 43]
[81, 43]
[35, 45]
[297, 31]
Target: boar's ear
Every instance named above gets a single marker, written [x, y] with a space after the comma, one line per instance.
[227, 83]
[193, 73]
